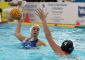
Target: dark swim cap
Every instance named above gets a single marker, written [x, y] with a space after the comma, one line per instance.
[67, 46]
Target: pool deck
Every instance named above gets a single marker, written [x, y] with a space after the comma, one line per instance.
[49, 24]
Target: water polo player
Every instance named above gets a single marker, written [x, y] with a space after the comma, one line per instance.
[32, 41]
[66, 47]
[27, 42]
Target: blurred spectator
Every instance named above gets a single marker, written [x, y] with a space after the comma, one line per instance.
[41, 0]
[0, 10]
[7, 0]
[0, 14]
[68, 0]
[60, 1]
[54, 0]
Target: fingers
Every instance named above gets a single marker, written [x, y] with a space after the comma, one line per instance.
[38, 12]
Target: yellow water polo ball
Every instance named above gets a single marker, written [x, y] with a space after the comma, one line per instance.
[16, 14]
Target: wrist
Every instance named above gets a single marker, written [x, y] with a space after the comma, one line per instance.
[43, 19]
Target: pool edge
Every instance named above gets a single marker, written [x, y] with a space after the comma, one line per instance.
[49, 24]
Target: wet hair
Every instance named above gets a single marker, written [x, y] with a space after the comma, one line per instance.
[67, 46]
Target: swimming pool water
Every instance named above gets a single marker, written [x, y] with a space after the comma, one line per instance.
[11, 48]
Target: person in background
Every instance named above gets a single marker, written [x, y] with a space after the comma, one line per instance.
[66, 47]
[32, 41]
[41, 0]
[0, 14]
[68, 0]
[27, 42]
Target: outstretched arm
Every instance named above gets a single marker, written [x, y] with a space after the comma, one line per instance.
[55, 47]
[18, 34]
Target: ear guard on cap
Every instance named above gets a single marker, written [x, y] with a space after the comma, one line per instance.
[67, 46]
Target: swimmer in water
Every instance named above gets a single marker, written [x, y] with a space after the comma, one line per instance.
[66, 47]
[32, 41]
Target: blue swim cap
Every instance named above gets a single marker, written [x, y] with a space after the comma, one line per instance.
[67, 46]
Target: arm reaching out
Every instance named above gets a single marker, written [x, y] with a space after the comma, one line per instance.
[18, 34]
[54, 46]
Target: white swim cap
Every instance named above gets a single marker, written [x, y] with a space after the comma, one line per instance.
[34, 26]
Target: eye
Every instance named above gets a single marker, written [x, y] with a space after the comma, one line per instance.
[34, 29]
[37, 29]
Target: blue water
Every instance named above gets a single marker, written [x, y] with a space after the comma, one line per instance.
[11, 48]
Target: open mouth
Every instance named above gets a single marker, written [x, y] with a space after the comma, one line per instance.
[35, 33]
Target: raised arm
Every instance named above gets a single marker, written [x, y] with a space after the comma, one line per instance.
[54, 46]
[18, 33]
